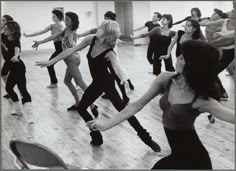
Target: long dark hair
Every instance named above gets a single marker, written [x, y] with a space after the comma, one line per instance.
[14, 27]
[74, 19]
[201, 68]
[197, 33]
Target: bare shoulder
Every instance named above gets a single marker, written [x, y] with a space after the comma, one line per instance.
[111, 55]
[164, 78]
[204, 104]
[166, 75]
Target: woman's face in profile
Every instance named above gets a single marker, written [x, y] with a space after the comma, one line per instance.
[100, 33]
[111, 40]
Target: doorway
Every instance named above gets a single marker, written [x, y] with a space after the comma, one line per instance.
[124, 16]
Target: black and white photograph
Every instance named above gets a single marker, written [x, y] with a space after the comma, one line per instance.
[118, 85]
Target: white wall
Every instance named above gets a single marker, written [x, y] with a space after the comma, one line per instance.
[143, 11]
[140, 17]
[36, 15]
[102, 7]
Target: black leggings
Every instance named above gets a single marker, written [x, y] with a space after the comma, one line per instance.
[227, 58]
[17, 77]
[157, 64]
[6, 68]
[95, 89]
[51, 70]
[150, 51]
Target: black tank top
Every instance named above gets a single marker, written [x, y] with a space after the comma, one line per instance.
[178, 47]
[177, 116]
[99, 66]
[162, 43]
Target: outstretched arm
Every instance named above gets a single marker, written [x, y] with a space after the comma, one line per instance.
[65, 53]
[215, 108]
[155, 89]
[50, 38]
[84, 34]
[178, 22]
[204, 22]
[155, 31]
[224, 41]
[139, 28]
[215, 23]
[38, 32]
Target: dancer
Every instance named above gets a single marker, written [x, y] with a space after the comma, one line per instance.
[209, 31]
[17, 71]
[192, 32]
[186, 94]
[195, 15]
[109, 15]
[227, 28]
[102, 57]
[222, 42]
[6, 66]
[151, 25]
[163, 39]
[57, 27]
[73, 61]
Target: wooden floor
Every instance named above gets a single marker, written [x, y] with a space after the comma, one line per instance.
[65, 132]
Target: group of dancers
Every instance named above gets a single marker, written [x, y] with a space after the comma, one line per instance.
[190, 88]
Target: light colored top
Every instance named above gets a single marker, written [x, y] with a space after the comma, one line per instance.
[225, 32]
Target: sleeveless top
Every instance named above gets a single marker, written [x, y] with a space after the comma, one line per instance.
[66, 44]
[178, 46]
[177, 116]
[162, 43]
[224, 32]
[56, 29]
[99, 66]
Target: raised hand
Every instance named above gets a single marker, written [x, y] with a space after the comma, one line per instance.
[43, 64]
